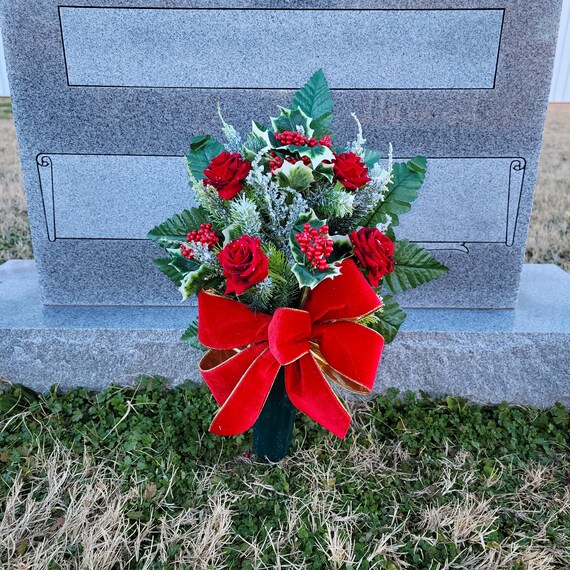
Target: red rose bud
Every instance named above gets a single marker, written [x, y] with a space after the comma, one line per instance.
[374, 251]
[350, 170]
[244, 264]
[227, 173]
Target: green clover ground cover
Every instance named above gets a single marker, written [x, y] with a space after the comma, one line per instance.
[419, 483]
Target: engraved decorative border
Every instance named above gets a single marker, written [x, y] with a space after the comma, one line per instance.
[205, 9]
[517, 171]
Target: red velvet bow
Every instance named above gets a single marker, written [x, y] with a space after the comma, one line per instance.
[321, 340]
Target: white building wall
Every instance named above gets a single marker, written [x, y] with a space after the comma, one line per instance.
[560, 90]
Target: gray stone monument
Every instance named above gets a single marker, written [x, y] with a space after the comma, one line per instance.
[108, 93]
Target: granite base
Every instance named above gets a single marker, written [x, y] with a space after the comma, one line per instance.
[519, 355]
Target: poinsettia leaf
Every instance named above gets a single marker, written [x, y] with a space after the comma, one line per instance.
[388, 319]
[290, 119]
[407, 179]
[190, 337]
[371, 157]
[316, 153]
[202, 150]
[315, 100]
[174, 231]
[194, 281]
[414, 266]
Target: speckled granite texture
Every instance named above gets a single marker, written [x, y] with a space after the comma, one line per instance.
[518, 355]
[492, 111]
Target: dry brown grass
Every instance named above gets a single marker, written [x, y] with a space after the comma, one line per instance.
[15, 242]
[549, 234]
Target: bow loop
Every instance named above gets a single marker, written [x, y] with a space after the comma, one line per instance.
[289, 335]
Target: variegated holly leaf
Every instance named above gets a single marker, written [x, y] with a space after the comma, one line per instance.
[316, 153]
[290, 119]
[306, 275]
[194, 281]
[297, 176]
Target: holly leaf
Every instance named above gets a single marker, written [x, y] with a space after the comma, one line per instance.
[202, 150]
[174, 231]
[193, 281]
[290, 119]
[306, 275]
[315, 100]
[171, 272]
[316, 153]
[414, 266]
[190, 337]
[407, 179]
[297, 176]
[387, 320]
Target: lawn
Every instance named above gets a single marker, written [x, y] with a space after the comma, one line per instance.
[131, 478]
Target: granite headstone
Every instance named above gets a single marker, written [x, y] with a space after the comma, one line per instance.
[108, 93]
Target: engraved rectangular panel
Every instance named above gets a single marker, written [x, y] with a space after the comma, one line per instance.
[244, 48]
[123, 196]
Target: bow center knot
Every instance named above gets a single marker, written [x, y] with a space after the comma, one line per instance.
[289, 333]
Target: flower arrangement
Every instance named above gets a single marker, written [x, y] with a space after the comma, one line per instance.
[293, 255]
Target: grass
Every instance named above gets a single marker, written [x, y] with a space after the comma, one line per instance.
[130, 478]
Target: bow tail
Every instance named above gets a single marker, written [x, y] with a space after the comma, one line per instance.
[310, 393]
[243, 405]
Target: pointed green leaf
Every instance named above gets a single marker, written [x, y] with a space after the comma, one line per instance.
[190, 337]
[388, 319]
[403, 189]
[371, 157]
[414, 266]
[174, 231]
[297, 176]
[290, 119]
[316, 153]
[169, 270]
[193, 282]
[202, 150]
[315, 100]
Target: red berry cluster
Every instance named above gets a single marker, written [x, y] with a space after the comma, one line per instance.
[287, 138]
[316, 245]
[204, 235]
[277, 162]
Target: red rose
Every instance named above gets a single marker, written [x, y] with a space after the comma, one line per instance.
[374, 251]
[226, 173]
[350, 170]
[244, 264]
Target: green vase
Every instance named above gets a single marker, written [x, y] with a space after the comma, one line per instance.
[273, 429]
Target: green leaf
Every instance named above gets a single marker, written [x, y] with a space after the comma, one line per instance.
[388, 319]
[202, 150]
[414, 266]
[169, 270]
[315, 100]
[190, 337]
[298, 176]
[403, 189]
[193, 282]
[308, 276]
[174, 231]
[316, 153]
[290, 119]
[371, 157]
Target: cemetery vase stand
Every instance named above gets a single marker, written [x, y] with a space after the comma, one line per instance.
[273, 430]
